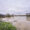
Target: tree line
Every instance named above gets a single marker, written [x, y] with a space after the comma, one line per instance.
[7, 15]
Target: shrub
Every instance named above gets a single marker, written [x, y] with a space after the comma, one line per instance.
[6, 26]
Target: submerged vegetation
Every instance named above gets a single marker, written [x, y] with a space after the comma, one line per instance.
[6, 26]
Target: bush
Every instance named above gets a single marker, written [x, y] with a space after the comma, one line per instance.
[6, 26]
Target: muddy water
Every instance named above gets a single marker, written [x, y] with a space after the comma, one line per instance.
[20, 22]
[15, 19]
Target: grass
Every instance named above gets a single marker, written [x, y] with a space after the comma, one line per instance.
[6, 26]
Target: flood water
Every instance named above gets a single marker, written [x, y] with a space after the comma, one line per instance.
[15, 18]
[19, 21]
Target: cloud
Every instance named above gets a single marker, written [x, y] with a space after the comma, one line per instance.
[15, 6]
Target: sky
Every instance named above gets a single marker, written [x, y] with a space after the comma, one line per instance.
[14, 6]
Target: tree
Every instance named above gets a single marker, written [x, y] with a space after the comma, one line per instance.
[8, 15]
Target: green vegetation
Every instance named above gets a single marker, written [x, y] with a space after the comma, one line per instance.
[8, 15]
[6, 26]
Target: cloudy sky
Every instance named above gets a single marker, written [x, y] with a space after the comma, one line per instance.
[14, 6]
